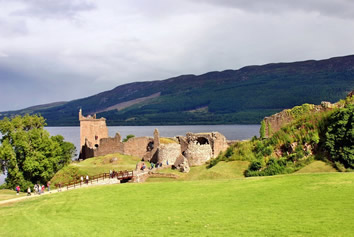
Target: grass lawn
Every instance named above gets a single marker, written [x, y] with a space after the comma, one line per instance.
[6, 194]
[317, 167]
[297, 205]
[223, 170]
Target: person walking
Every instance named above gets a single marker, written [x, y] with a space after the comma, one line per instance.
[87, 179]
[48, 186]
[81, 180]
[17, 190]
[28, 191]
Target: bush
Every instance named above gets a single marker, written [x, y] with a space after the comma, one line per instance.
[340, 136]
[128, 137]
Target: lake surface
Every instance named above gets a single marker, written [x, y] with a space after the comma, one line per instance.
[231, 132]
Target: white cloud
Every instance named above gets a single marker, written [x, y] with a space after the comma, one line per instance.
[77, 49]
[3, 55]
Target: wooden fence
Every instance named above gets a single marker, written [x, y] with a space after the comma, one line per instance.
[120, 175]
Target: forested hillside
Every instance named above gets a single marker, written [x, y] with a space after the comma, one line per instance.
[241, 96]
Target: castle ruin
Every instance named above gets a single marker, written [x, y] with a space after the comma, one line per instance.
[191, 150]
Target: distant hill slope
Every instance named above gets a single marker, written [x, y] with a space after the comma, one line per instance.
[232, 96]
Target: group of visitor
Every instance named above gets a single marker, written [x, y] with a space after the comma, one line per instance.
[157, 165]
[39, 189]
[86, 180]
[112, 174]
[142, 167]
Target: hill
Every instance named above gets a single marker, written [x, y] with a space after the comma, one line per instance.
[292, 205]
[243, 96]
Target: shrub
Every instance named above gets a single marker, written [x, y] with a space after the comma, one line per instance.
[128, 137]
[340, 136]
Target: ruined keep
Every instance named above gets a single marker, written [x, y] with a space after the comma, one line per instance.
[92, 130]
[190, 150]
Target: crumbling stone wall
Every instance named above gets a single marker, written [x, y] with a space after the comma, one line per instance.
[278, 120]
[220, 143]
[110, 145]
[169, 152]
[137, 146]
[92, 130]
[198, 154]
[194, 148]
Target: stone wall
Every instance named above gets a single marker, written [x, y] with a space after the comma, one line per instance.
[137, 146]
[278, 120]
[110, 145]
[92, 130]
[198, 154]
[220, 143]
[169, 152]
[194, 148]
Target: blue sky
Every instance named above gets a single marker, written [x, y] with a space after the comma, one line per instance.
[54, 50]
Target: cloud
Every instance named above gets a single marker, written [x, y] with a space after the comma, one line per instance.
[117, 41]
[53, 8]
[12, 27]
[3, 55]
[338, 8]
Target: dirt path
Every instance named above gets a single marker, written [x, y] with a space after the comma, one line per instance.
[101, 182]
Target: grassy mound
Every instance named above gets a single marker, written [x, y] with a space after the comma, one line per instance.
[317, 167]
[96, 165]
[224, 170]
[292, 205]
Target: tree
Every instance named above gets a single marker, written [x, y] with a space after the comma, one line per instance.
[27, 152]
[128, 137]
[340, 136]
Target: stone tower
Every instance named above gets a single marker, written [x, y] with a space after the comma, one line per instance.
[92, 130]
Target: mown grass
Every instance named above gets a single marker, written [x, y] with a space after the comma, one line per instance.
[6, 194]
[223, 170]
[291, 205]
[317, 167]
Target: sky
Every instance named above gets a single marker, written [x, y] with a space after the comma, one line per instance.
[53, 50]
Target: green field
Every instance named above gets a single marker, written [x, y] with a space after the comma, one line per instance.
[6, 194]
[224, 170]
[289, 205]
[317, 166]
